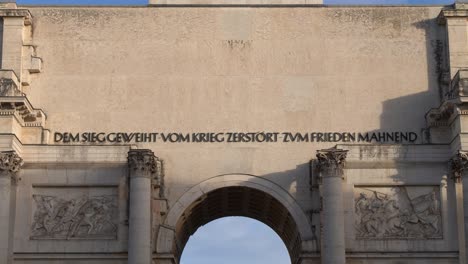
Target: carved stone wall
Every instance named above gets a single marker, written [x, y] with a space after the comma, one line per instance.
[397, 212]
[74, 213]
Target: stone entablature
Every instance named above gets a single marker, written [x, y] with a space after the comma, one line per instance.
[8, 11]
[460, 11]
[234, 2]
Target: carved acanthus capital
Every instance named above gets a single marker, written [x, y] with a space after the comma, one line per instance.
[331, 162]
[141, 162]
[458, 164]
[10, 164]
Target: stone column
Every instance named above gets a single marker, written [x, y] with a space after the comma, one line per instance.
[10, 164]
[331, 164]
[141, 165]
[458, 164]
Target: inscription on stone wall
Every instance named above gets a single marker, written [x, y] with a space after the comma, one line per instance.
[66, 213]
[400, 212]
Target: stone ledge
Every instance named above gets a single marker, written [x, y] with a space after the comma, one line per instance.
[17, 13]
[459, 11]
[368, 154]
[234, 2]
[74, 154]
[22, 110]
[68, 256]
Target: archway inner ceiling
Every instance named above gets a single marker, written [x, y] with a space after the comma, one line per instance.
[239, 201]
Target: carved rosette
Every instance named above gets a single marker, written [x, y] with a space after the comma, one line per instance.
[331, 162]
[10, 163]
[458, 164]
[142, 163]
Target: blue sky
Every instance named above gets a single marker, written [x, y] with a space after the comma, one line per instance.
[234, 240]
[144, 2]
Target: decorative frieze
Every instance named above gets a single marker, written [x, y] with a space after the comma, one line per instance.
[68, 213]
[398, 212]
[331, 162]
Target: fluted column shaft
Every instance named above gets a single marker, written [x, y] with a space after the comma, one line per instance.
[331, 164]
[141, 167]
[458, 164]
[10, 164]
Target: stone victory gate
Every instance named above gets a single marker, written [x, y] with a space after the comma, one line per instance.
[125, 129]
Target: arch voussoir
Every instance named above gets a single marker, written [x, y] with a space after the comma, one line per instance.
[246, 195]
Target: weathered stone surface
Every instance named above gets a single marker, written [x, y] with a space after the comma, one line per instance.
[399, 212]
[78, 218]
[220, 68]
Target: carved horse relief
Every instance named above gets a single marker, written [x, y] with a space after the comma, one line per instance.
[80, 217]
[399, 212]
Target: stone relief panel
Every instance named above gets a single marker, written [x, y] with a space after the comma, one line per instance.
[75, 213]
[398, 212]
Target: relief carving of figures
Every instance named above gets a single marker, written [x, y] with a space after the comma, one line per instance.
[78, 218]
[397, 212]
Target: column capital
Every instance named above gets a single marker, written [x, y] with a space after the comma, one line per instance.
[10, 164]
[142, 163]
[331, 162]
[458, 164]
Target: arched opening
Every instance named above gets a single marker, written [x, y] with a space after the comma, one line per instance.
[239, 201]
[233, 240]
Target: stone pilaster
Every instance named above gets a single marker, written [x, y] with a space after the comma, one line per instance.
[331, 164]
[455, 20]
[458, 164]
[10, 164]
[142, 164]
